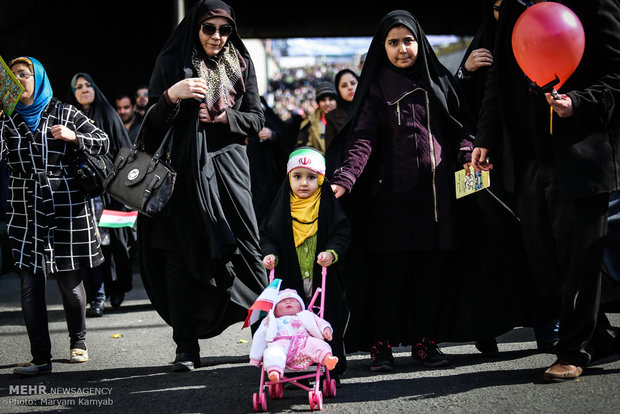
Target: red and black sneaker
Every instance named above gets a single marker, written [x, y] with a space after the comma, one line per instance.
[381, 358]
[428, 354]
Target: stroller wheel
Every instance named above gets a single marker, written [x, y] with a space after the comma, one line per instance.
[329, 387]
[319, 401]
[263, 401]
[316, 400]
[276, 391]
[332, 389]
[255, 403]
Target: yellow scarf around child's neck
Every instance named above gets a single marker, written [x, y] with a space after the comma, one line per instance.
[305, 214]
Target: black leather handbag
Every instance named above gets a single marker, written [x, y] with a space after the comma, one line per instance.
[91, 172]
[142, 181]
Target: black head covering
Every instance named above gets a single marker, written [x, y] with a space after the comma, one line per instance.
[427, 71]
[484, 38]
[341, 102]
[325, 89]
[485, 35]
[174, 62]
[104, 116]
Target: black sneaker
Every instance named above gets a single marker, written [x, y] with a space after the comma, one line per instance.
[428, 354]
[487, 346]
[381, 358]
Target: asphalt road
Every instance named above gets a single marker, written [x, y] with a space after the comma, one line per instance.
[131, 350]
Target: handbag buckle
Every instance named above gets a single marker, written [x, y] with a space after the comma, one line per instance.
[133, 174]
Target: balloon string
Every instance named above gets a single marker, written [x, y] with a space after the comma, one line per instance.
[550, 120]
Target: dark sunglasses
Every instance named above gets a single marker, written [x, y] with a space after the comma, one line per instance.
[209, 29]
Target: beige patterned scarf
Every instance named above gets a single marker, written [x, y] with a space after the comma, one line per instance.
[223, 75]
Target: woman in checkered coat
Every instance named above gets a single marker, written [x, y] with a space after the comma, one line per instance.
[50, 225]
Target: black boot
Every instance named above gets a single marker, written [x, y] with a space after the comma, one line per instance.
[96, 308]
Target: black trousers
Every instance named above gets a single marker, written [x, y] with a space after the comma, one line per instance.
[564, 239]
[34, 310]
[118, 272]
[180, 286]
[408, 296]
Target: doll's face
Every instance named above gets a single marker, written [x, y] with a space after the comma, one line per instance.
[289, 306]
[304, 182]
[401, 47]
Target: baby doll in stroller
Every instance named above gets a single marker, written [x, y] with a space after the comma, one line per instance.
[291, 337]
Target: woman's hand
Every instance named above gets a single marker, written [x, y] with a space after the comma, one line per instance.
[204, 116]
[265, 134]
[269, 261]
[466, 167]
[338, 190]
[63, 133]
[187, 88]
[479, 159]
[477, 59]
[563, 105]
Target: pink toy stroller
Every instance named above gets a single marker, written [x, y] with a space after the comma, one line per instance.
[316, 393]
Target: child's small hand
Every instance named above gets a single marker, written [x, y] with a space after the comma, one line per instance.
[325, 259]
[327, 334]
[269, 261]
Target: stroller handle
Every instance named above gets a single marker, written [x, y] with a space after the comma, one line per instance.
[323, 277]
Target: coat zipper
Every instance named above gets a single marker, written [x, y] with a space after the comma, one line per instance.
[431, 143]
[433, 161]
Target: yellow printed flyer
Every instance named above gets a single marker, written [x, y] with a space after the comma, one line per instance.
[469, 184]
[10, 88]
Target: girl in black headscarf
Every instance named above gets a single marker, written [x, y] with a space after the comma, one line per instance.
[201, 262]
[408, 280]
[114, 277]
[346, 83]
[407, 137]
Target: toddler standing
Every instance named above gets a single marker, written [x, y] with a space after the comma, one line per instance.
[306, 229]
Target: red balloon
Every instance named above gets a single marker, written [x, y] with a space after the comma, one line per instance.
[548, 41]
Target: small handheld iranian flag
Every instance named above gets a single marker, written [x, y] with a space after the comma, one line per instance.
[116, 219]
[263, 303]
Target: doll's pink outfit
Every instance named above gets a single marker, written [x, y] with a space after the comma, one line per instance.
[290, 341]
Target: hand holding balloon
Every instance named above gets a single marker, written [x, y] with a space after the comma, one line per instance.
[561, 104]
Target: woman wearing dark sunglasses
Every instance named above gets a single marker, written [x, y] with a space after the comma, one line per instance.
[200, 261]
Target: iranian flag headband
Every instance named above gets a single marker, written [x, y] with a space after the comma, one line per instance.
[308, 158]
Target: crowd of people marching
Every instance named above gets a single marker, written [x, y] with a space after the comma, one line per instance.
[348, 167]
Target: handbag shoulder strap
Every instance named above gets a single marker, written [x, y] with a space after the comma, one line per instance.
[139, 144]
